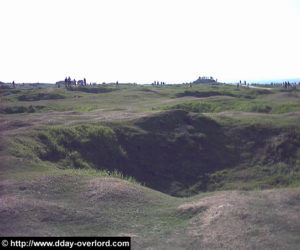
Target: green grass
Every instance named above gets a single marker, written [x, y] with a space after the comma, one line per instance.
[217, 105]
[29, 96]
[22, 109]
[94, 90]
[81, 146]
[225, 91]
[259, 177]
[144, 98]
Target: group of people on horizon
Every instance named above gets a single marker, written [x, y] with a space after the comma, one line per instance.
[69, 82]
[288, 85]
[240, 83]
[158, 83]
[73, 83]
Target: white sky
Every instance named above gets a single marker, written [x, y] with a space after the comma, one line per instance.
[146, 40]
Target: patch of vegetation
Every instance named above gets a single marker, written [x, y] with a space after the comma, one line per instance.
[245, 101]
[94, 90]
[220, 105]
[254, 93]
[245, 93]
[84, 172]
[286, 107]
[83, 146]
[33, 96]
[259, 177]
[8, 91]
[204, 93]
[22, 109]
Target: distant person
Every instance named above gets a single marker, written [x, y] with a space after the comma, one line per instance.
[84, 81]
[13, 84]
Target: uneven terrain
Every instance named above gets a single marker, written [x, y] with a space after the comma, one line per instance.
[207, 167]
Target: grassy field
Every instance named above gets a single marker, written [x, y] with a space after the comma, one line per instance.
[210, 166]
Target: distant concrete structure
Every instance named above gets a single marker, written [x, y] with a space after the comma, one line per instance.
[204, 79]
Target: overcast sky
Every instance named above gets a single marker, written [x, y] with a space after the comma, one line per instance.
[147, 40]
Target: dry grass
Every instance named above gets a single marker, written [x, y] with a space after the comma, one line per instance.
[19, 125]
[67, 205]
[232, 220]
[112, 189]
